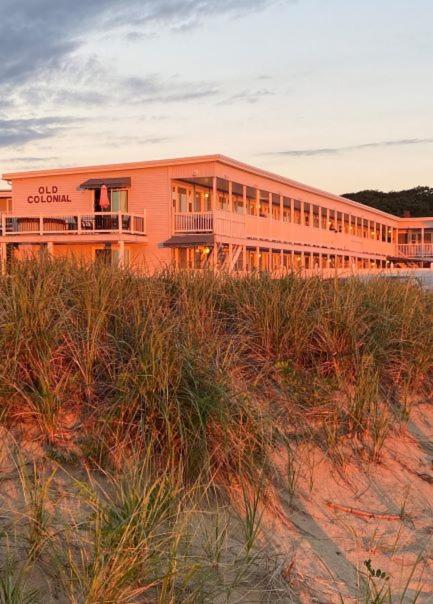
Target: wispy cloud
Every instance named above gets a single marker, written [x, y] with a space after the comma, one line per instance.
[337, 150]
[41, 35]
[247, 96]
[16, 132]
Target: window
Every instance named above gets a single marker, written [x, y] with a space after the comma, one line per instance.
[207, 202]
[238, 204]
[316, 217]
[198, 201]
[264, 204]
[119, 200]
[287, 211]
[346, 224]
[324, 218]
[297, 212]
[182, 200]
[223, 201]
[251, 201]
[307, 215]
[276, 213]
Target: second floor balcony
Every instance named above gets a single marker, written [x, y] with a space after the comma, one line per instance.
[245, 226]
[97, 223]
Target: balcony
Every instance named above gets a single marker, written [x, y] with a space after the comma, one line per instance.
[416, 250]
[98, 223]
[257, 229]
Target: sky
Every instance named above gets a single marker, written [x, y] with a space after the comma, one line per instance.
[334, 93]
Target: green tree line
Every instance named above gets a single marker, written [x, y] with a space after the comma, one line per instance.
[414, 202]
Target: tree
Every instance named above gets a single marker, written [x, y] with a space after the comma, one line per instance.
[415, 202]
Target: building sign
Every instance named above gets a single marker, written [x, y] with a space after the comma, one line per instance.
[49, 195]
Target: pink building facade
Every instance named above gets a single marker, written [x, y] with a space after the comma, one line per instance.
[202, 212]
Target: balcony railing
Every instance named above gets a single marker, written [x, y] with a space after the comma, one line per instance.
[416, 250]
[69, 224]
[193, 222]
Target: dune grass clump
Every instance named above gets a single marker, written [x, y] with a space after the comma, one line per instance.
[161, 402]
[211, 371]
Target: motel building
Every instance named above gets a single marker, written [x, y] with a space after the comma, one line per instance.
[202, 212]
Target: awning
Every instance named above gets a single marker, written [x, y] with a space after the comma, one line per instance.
[189, 240]
[110, 183]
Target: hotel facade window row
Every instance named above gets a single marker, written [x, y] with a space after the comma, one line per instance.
[205, 212]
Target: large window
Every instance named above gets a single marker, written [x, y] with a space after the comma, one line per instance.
[118, 199]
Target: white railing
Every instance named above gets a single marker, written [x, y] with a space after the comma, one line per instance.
[78, 224]
[193, 222]
[416, 250]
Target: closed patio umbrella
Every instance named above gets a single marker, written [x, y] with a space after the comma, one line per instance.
[104, 202]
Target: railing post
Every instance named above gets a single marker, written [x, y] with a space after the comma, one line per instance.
[41, 225]
[3, 225]
[79, 217]
[120, 225]
[3, 257]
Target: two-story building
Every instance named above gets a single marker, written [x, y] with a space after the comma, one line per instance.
[208, 211]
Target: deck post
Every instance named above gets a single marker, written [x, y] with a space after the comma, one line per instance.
[3, 256]
[244, 199]
[121, 254]
[244, 258]
[50, 248]
[214, 193]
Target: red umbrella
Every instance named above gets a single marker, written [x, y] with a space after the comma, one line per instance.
[104, 202]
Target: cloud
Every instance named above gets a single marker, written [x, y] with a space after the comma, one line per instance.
[16, 132]
[247, 96]
[38, 35]
[337, 150]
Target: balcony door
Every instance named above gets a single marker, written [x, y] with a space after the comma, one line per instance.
[118, 199]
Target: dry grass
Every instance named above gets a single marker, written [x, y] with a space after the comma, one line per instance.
[168, 389]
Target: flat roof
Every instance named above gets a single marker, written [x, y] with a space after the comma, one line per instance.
[223, 159]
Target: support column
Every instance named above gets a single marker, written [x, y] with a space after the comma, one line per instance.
[3, 256]
[121, 254]
[422, 242]
[244, 258]
[50, 249]
[257, 258]
[230, 258]
[214, 193]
